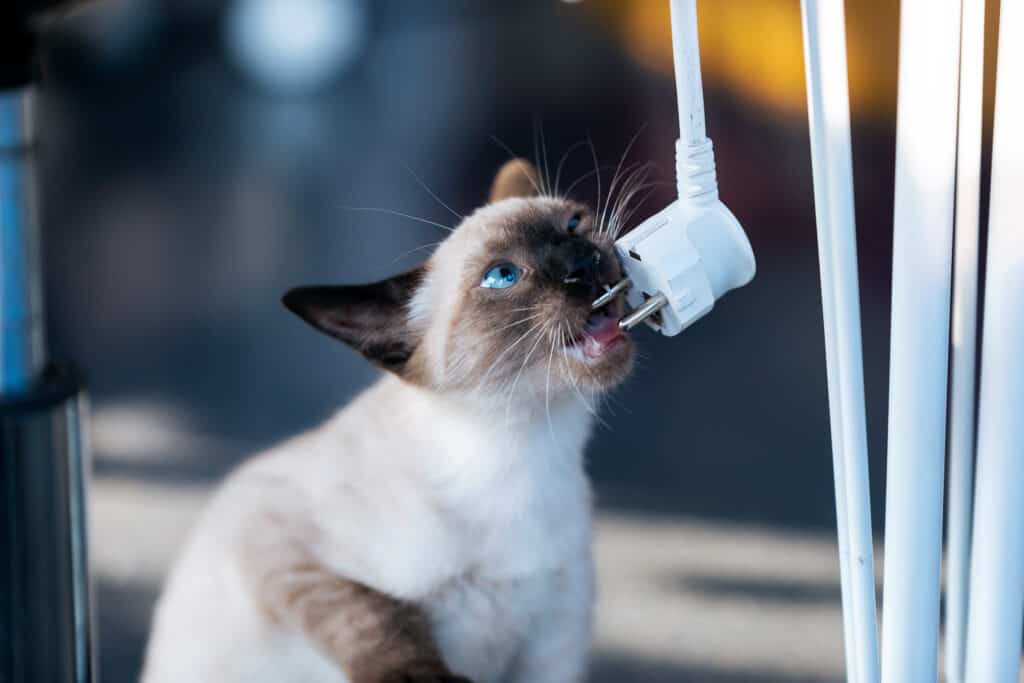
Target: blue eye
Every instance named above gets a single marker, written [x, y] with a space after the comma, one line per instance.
[501, 276]
[574, 222]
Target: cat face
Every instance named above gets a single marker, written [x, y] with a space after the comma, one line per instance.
[502, 308]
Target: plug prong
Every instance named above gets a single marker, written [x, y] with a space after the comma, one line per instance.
[649, 308]
[609, 296]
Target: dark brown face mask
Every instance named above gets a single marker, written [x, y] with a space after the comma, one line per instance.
[526, 273]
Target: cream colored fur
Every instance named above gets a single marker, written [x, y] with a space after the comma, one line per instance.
[486, 523]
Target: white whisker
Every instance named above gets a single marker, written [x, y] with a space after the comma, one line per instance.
[513, 155]
[515, 323]
[515, 383]
[558, 169]
[540, 154]
[509, 348]
[636, 184]
[622, 160]
[400, 214]
[574, 383]
[632, 211]
[597, 172]
[626, 175]
[414, 250]
[633, 185]
[432, 193]
[547, 394]
[583, 177]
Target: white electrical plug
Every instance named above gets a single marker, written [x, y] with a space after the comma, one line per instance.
[682, 259]
[678, 263]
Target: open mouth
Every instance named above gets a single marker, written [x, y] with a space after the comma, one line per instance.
[599, 334]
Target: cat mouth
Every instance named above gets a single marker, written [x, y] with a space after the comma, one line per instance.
[599, 335]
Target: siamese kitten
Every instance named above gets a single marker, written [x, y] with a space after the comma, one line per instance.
[437, 528]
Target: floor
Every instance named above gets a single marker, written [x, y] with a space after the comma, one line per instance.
[680, 599]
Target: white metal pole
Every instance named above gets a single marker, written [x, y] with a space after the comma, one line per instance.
[828, 110]
[922, 253]
[996, 608]
[964, 333]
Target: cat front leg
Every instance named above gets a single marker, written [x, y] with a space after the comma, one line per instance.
[370, 636]
[559, 645]
[557, 653]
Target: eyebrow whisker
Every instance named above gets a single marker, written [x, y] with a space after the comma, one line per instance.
[513, 155]
[622, 160]
[558, 169]
[393, 212]
[432, 193]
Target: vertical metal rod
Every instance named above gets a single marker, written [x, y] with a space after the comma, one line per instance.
[45, 593]
[996, 605]
[828, 109]
[964, 335]
[45, 597]
[922, 255]
[22, 352]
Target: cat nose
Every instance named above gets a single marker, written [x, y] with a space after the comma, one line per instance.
[582, 263]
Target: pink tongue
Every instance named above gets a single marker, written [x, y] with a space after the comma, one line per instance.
[603, 330]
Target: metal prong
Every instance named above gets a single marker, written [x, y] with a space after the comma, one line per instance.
[649, 308]
[610, 295]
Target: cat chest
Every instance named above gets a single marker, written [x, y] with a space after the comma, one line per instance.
[482, 624]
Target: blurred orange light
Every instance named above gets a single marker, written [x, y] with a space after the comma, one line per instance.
[754, 48]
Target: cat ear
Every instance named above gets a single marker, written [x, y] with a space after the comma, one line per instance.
[516, 178]
[373, 319]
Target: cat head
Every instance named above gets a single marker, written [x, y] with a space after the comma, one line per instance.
[502, 308]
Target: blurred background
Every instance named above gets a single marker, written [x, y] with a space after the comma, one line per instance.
[199, 157]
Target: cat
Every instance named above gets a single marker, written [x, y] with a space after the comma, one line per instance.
[438, 528]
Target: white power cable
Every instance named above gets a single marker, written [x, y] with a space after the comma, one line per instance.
[681, 260]
[686, 59]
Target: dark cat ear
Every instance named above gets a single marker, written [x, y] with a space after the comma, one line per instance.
[516, 178]
[373, 319]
